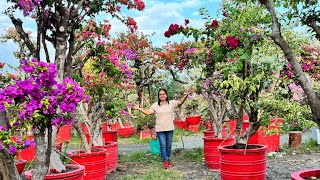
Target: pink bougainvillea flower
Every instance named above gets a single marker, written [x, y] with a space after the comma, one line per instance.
[139, 4]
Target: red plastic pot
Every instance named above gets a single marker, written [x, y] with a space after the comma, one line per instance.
[110, 136]
[305, 174]
[94, 163]
[125, 132]
[64, 134]
[126, 124]
[20, 165]
[147, 134]
[270, 140]
[211, 153]
[193, 128]
[193, 120]
[208, 133]
[104, 126]
[255, 138]
[26, 154]
[112, 155]
[77, 173]
[211, 132]
[115, 126]
[180, 124]
[243, 164]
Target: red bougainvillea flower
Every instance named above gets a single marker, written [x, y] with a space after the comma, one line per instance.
[173, 28]
[215, 23]
[167, 34]
[232, 42]
[186, 21]
[2, 65]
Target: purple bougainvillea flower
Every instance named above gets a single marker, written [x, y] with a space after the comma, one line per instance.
[29, 143]
[1, 146]
[12, 149]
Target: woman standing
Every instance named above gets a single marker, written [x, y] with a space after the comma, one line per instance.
[164, 110]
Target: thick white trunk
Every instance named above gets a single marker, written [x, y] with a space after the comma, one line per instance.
[40, 169]
[55, 161]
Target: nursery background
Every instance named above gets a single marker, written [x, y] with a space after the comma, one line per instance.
[73, 71]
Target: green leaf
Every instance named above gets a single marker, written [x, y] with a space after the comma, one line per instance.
[244, 56]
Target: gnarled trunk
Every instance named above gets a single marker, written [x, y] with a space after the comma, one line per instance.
[313, 100]
[8, 169]
[43, 154]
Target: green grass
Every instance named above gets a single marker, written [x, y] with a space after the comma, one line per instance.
[310, 146]
[139, 157]
[154, 172]
[153, 167]
[134, 139]
[195, 155]
[75, 141]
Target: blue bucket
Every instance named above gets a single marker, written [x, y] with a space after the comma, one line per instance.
[155, 146]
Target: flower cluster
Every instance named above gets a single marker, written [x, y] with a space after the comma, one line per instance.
[27, 6]
[39, 101]
[214, 23]
[298, 93]
[295, 126]
[173, 29]
[131, 23]
[310, 62]
[40, 97]
[233, 42]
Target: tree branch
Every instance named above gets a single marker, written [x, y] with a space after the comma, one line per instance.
[175, 78]
[18, 25]
[316, 28]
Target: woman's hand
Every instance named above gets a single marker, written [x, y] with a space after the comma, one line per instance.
[189, 91]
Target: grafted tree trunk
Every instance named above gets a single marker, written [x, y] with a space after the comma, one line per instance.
[43, 154]
[217, 113]
[77, 127]
[313, 100]
[8, 169]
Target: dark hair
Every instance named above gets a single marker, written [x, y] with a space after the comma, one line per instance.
[159, 96]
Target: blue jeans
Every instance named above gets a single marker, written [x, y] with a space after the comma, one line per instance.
[165, 139]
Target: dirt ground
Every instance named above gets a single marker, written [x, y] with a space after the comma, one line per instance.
[279, 167]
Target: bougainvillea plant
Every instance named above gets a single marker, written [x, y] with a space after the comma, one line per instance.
[39, 101]
[230, 45]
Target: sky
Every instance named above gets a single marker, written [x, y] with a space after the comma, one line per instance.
[154, 19]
